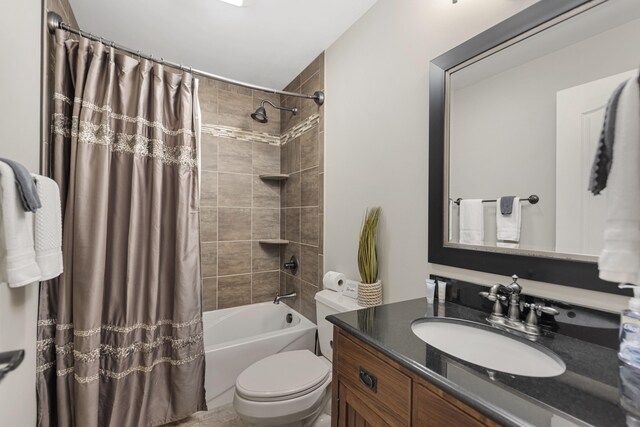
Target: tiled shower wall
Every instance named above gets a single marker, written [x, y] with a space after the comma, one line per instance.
[238, 208]
[302, 156]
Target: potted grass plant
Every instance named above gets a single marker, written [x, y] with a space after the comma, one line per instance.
[370, 288]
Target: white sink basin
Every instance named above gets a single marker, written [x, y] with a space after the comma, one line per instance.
[488, 347]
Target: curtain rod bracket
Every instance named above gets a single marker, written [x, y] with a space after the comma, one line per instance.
[318, 97]
[53, 21]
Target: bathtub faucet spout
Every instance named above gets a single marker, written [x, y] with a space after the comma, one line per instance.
[279, 297]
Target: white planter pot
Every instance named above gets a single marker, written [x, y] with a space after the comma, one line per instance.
[370, 294]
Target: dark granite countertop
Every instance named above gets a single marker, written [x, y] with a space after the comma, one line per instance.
[586, 394]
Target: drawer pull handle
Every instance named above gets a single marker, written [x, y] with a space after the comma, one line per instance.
[368, 380]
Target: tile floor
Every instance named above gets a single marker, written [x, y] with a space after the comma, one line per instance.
[222, 416]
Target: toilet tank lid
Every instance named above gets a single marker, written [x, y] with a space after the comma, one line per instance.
[337, 301]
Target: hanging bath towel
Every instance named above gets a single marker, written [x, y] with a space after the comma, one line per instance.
[18, 265]
[48, 228]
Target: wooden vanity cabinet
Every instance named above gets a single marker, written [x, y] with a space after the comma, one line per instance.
[369, 389]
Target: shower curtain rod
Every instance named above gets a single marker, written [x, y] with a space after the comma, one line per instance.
[54, 22]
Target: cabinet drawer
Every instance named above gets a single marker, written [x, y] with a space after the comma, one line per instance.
[430, 410]
[383, 384]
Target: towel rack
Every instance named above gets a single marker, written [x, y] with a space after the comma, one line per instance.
[533, 199]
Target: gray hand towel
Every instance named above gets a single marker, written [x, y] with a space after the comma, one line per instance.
[26, 186]
[506, 205]
[604, 152]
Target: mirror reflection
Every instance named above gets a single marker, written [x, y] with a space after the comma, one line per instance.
[525, 121]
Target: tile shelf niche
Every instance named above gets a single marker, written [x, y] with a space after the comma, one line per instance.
[279, 177]
[274, 241]
[274, 177]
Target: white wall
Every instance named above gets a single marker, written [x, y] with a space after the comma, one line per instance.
[376, 139]
[20, 123]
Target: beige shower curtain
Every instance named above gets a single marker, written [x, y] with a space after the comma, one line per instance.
[120, 332]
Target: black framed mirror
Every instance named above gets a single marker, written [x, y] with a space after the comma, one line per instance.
[564, 267]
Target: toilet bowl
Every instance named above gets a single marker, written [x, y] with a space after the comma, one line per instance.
[293, 388]
[289, 388]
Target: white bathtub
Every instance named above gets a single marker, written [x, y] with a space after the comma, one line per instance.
[234, 338]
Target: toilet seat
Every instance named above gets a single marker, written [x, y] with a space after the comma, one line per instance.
[282, 376]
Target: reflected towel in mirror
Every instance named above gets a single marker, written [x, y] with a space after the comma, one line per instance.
[506, 204]
[508, 226]
[471, 222]
[604, 154]
[619, 261]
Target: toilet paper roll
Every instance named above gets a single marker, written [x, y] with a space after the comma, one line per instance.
[334, 281]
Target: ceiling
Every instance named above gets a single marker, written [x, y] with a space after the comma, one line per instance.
[265, 42]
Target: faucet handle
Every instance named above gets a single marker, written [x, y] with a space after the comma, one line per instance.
[531, 323]
[547, 310]
[497, 300]
[492, 296]
[539, 309]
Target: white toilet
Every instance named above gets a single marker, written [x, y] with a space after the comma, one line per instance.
[293, 388]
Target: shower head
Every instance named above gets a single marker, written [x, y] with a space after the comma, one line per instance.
[260, 114]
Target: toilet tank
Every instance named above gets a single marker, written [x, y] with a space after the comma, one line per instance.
[330, 302]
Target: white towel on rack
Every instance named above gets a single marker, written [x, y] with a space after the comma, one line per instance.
[48, 228]
[471, 222]
[620, 258]
[508, 226]
[18, 266]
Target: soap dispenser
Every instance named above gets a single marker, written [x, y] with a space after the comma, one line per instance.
[630, 329]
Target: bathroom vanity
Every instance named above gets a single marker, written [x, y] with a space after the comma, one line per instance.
[370, 388]
[383, 374]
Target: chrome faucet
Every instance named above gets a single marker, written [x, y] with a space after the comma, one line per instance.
[499, 294]
[279, 297]
[514, 290]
